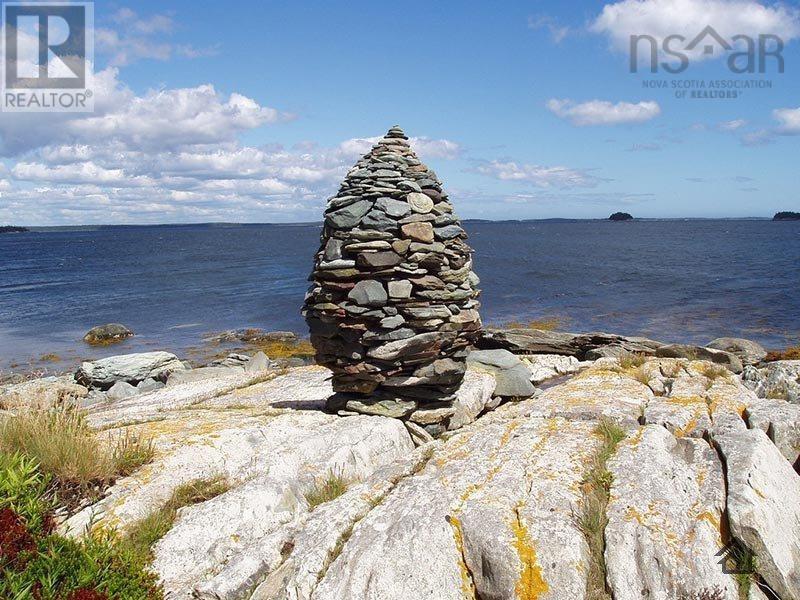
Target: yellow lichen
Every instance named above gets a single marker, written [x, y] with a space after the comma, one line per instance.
[467, 587]
[531, 585]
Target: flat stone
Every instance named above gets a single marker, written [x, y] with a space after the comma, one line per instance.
[379, 260]
[449, 232]
[400, 289]
[121, 390]
[349, 216]
[422, 344]
[379, 220]
[419, 232]
[420, 203]
[368, 293]
[393, 208]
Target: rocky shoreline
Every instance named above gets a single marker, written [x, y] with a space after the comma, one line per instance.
[493, 505]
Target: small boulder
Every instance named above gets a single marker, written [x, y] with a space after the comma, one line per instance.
[120, 391]
[726, 359]
[749, 352]
[258, 363]
[513, 379]
[131, 368]
[104, 335]
[149, 385]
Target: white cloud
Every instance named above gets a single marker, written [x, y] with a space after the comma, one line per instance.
[788, 120]
[136, 38]
[734, 125]
[663, 18]
[601, 112]
[557, 31]
[536, 175]
[159, 119]
[168, 155]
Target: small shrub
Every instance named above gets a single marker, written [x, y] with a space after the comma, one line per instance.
[36, 563]
[333, 486]
[640, 375]
[630, 360]
[143, 534]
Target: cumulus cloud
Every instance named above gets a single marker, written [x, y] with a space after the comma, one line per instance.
[663, 18]
[538, 176]
[168, 155]
[158, 119]
[601, 112]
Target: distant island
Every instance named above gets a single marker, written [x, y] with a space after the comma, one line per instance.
[786, 216]
[621, 216]
[12, 229]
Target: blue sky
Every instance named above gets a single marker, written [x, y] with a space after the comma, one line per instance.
[253, 111]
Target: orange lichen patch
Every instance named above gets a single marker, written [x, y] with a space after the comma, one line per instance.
[467, 585]
[709, 518]
[687, 401]
[531, 585]
[632, 514]
[690, 426]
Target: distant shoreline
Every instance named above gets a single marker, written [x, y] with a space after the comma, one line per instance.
[92, 227]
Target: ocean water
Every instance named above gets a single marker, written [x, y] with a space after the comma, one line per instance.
[687, 281]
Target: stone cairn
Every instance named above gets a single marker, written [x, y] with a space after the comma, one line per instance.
[393, 305]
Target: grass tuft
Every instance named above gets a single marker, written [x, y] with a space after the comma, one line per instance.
[631, 360]
[592, 519]
[63, 446]
[143, 534]
[330, 488]
[742, 562]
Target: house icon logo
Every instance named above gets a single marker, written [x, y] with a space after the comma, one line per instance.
[711, 40]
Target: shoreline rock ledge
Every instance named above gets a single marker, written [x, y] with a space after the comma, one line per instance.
[393, 305]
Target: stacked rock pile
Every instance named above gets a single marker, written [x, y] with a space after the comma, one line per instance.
[393, 305]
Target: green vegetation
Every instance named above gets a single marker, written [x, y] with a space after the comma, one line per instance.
[630, 360]
[713, 372]
[143, 534]
[37, 563]
[592, 520]
[63, 446]
[330, 488]
[742, 561]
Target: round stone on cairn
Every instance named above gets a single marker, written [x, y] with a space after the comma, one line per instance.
[393, 305]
